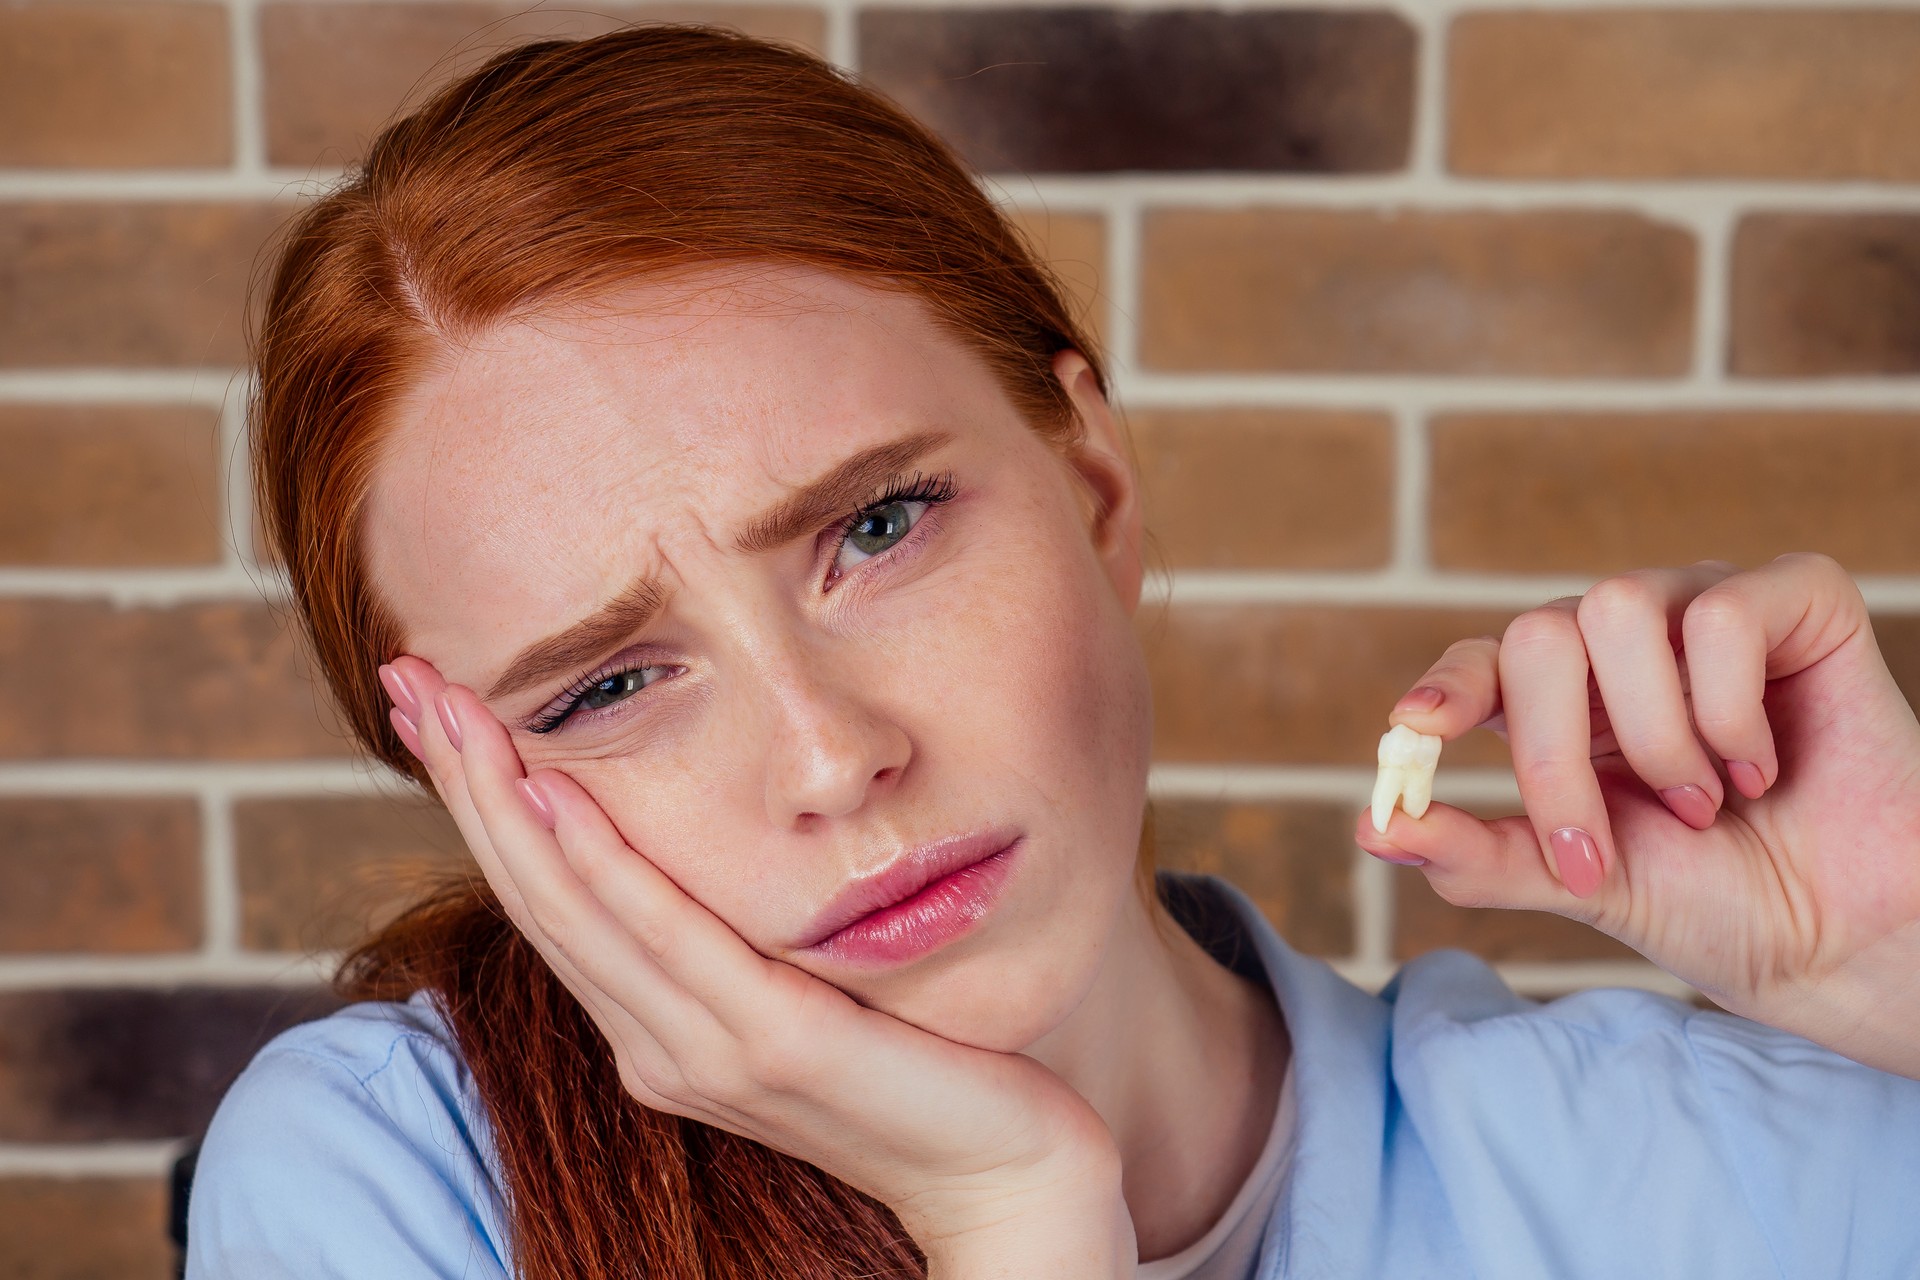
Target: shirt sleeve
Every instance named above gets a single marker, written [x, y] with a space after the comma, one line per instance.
[1621, 1132]
[349, 1149]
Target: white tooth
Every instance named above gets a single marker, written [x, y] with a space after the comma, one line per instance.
[1407, 761]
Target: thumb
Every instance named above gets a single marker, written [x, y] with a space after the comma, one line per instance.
[1475, 863]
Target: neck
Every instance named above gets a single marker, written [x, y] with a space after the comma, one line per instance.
[1183, 1059]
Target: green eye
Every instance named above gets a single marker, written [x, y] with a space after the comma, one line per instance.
[615, 689]
[880, 528]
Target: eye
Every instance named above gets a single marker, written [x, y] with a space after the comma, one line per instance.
[879, 529]
[596, 693]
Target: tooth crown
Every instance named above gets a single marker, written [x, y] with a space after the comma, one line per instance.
[1407, 761]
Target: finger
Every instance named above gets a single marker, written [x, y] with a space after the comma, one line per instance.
[1475, 863]
[1750, 627]
[1459, 692]
[1629, 624]
[1543, 682]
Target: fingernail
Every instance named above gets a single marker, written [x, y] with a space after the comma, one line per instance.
[1691, 805]
[536, 802]
[1387, 851]
[1750, 781]
[1577, 858]
[408, 731]
[401, 692]
[444, 705]
[1424, 698]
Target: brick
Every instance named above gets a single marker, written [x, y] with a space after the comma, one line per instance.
[1297, 684]
[109, 485]
[1898, 636]
[134, 1063]
[335, 73]
[1627, 490]
[1086, 90]
[1424, 921]
[1074, 245]
[218, 680]
[1267, 488]
[1558, 292]
[59, 1228]
[159, 283]
[319, 872]
[1823, 294]
[1291, 858]
[96, 874]
[1667, 93]
[115, 85]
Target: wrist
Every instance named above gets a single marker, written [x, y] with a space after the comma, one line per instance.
[1074, 1225]
[1867, 1010]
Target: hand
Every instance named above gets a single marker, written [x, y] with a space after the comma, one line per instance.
[1010, 1163]
[1786, 883]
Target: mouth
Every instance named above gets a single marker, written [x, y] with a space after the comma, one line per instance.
[919, 902]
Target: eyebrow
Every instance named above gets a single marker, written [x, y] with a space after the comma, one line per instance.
[829, 497]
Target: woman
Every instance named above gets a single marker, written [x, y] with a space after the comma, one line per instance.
[682, 468]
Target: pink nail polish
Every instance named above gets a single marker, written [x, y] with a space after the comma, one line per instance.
[1577, 858]
[401, 692]
[408, 731]
[1691, 805]
[536, 802]
[1424, 698]
[1749, 780]
[444, 705]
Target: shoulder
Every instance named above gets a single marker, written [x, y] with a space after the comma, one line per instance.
[353, 1145]
[1718, 1132]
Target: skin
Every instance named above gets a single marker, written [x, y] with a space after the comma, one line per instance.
[1102, 1086]
[814, 709]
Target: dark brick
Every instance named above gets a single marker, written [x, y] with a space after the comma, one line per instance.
[54, 1228]
[1291, 858]
[126, 1064]
[99, 874]
[1081, 90]
[1820, 294]
[195, 681]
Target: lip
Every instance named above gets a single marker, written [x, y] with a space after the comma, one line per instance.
[919, 902]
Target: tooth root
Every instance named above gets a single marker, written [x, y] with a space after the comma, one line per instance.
[1386, 790]
[1416, 792]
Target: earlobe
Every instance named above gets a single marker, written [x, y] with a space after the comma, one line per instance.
[1105, 467]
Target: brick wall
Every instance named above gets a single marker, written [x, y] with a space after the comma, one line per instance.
[1422, 315]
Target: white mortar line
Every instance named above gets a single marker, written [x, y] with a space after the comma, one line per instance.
[249, 126]
[89, 1159]
[1714, 244]
[346, 778]
[1479, 784]
[843, 34]
[1123, 297]
[1372, 909]
[130, 588]
[220, 880]
[1412, 482]
[206, 386]
[18, 973]
[236, 521]
[1426, 158]
[1542, 393]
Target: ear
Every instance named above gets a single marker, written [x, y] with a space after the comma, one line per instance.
[1104, 467]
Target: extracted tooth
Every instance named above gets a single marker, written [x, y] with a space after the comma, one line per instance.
[1407, 762]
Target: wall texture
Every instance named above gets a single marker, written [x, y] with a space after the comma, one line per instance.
[1421, 315]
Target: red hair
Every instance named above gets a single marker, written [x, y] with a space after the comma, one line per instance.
[558, 172]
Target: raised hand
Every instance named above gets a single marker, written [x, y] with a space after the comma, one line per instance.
[990, 1160]
[1718, 770]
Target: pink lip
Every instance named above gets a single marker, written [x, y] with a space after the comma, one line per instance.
[918, 903]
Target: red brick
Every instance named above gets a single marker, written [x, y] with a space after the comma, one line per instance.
[1814, 92]
[1074, 245]
[97, 1064]
[1608, 492]
[1822, 294]
[1078, 89]
[114, 85]
[109, 485]
[96, 874]
[318, 873]
[197, 681]
[1291, 858]
[1593, 293]
[336, 72]
[160, 283]
[1267, 488]
[1297, 684]
[54, 1228]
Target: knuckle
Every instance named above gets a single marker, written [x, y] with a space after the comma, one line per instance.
[1614, 601]
[1539, 628]
[1539, 775]
[1460, 891]
[1718, 608]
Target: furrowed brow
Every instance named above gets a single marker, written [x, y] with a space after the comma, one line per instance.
[833, 494]
[803, 512]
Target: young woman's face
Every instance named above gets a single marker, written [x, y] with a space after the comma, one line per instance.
[787, 697]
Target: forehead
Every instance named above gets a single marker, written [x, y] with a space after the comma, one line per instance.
[542, 465]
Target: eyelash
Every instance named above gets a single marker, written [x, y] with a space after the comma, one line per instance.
[932, 490]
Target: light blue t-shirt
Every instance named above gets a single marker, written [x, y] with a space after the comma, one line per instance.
[1445, 1128]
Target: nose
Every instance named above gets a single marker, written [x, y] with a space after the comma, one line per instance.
[829, 747]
